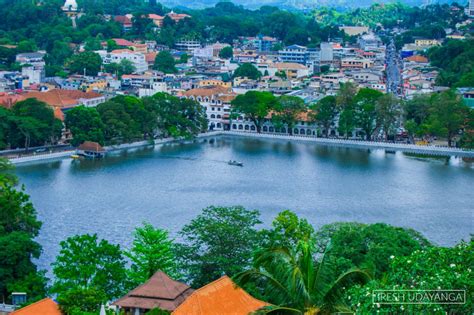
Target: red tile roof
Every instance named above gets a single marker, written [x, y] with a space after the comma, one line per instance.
[43, 307]
[61, 98]
[219, 297]
[122, 42]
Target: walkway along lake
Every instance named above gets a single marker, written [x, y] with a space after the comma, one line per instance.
[168, 185]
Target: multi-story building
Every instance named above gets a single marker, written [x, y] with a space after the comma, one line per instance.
[353, 63]
[327, 52]
[470, 9]
[217, 101]
[33, 58]
[295, 54]
[138, 59]
[188, 45]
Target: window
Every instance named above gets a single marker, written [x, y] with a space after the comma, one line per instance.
[213, 116]
[241, 127]
[234, 126]
[246, 127]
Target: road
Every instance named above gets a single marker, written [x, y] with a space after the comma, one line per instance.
[393, 66]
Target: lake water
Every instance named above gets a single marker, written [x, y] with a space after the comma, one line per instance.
[169, 185]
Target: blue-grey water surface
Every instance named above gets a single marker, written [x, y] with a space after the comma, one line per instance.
[169, 185]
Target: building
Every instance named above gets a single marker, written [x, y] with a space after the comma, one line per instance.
[43, 307]
[65, 99]
[290, 69]
[125, 21]
[294, 54]
[138, 59]
[222, 296]
[33, 59]
[160, 291]
[354, 30]
[470, 9]
[216, 100]
[427, 42]
[369, 42]
[35, 74]
[158, 19]
[188, 45]
[327, 52]
[212, 82]
[354, 63]
[91, 149]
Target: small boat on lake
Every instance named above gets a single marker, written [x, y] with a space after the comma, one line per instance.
[235, 163]
[75, 156]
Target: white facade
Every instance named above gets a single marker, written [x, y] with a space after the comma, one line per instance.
[156, 87]
[35, 74]
[327, 52]
[138, 59]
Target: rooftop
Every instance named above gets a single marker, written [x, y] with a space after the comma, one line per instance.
[43, 307]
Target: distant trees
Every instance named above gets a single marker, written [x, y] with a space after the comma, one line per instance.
[324, 113]
[28, 123]
[442, 115]
[287, 111]
[85, 124]
[226, 52]
[128, 118]
[125, 66]
[255, 106]
[247, 70]
[164, 62]
[88, 63]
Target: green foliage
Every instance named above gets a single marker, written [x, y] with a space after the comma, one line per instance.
[125, 66]
[344, 101]
[87, 62]
[152, 251]
[443, 115]
[226, 52]
[432, 268]
[325, 112]
[218, 241]
[456, 61]
[364, 110]
[157, 311]
[357, 245]
[32, 122]
[18, 228]
[85, 125]
[291, 280]
[88, 272]
[288, 230]
[254, 105]
[164, 62]
[247, 70]
[7, 177]
[287, 111]
[177, 117]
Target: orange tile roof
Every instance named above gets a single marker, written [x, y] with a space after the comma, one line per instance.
[8, 100]
[122, 42]
[61, 98]
[219, 297]
[206, 91]
[418, 58]
[155, 16]
[43, 307]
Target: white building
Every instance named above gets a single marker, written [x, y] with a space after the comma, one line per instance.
[35, 74]
[470, 9]
[327, 52]
[115, 56]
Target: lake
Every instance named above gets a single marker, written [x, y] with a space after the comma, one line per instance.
[168, 186]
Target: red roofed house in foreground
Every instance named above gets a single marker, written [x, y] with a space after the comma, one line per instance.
[43, 307]
[220, 297]
[160, 291]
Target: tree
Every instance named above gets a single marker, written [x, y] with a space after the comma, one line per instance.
[287, 111]
[388, 112]
[218, 241]
[447, 115]
[125, 66]
[19, 227]
[325, 112]
[294, 283]
[152, 251]
[88, 63]
[255, 106]
[426, 269]
[7, 177]
[372, 245]
[85, 125]
[164, 62]
[226, 53]
[88, 267]
[35, 122]
[27, 46]
[247, 70]
[364, 110]
[287, 231]
[345, 104]
[176, 117]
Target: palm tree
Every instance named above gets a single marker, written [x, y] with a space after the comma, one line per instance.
[295, 283]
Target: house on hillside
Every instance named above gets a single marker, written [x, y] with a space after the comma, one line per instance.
[160, 291]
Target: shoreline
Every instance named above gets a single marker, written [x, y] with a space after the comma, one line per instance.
[361, 144]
